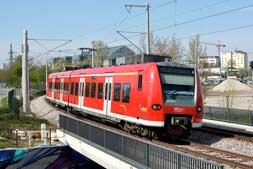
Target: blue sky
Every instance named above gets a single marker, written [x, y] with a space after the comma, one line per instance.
[84, 21]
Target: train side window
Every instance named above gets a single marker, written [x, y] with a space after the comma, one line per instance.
[139, 82]
[126, 93]
[72, 89]
[117, 88]
[93, 90]
[65, 86]
[87, 90]
[100, 90]
[76, 89]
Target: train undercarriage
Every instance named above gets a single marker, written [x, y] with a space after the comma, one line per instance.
[175, 127]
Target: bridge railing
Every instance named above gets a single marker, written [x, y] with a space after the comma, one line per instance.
[139, 152]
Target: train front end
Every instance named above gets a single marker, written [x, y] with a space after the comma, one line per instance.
[182, 98]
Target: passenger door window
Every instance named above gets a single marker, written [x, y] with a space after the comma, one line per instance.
[93, 90]
[87, 90]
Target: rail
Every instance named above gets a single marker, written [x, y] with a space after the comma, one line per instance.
[234, 160]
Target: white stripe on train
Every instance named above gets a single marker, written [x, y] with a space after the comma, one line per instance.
[123, 117]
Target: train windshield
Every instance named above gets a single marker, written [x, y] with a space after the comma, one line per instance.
[177, 86]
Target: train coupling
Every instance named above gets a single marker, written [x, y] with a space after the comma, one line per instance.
[181, 121]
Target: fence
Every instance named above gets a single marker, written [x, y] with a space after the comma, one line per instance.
[27, 138]
[239, 116]
[141, 153]
[244, 102]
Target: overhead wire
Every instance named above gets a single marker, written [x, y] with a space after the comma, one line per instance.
[127, 18]
[203, 7]
[217, 31]
[187, 12]
[202, 18]
[192, 20]
[50, 50]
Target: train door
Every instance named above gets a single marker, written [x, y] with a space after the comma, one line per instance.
[81, 96]
[53, 88]
[61, 89]
[108, 95]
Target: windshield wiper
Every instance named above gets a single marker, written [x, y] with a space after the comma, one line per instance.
[175, 93]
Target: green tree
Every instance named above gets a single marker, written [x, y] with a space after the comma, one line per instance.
[4, 75]
[14, 74]
[37, 75]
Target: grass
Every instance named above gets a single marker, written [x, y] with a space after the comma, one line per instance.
[4, 143]
[24, 123]
[10, 122]
[4, 106]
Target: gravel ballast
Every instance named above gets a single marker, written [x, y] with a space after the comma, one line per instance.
[41, 109]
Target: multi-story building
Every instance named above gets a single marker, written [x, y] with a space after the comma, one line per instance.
[236, 59]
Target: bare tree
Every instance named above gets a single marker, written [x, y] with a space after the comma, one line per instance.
[165, 46]
[231, 63]
[175, 48]
[102, 53]
[196, 51]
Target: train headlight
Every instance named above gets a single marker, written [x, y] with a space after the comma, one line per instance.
[156, 107]
[199, 109]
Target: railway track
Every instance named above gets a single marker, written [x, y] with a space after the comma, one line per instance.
[231, 159]
[224, 133]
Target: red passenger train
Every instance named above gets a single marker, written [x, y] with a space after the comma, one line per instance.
[149, 99]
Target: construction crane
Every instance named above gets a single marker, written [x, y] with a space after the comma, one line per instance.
[218, 45]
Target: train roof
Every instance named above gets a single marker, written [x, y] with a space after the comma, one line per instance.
[174, 64]
[109, 69]
[118, 69]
